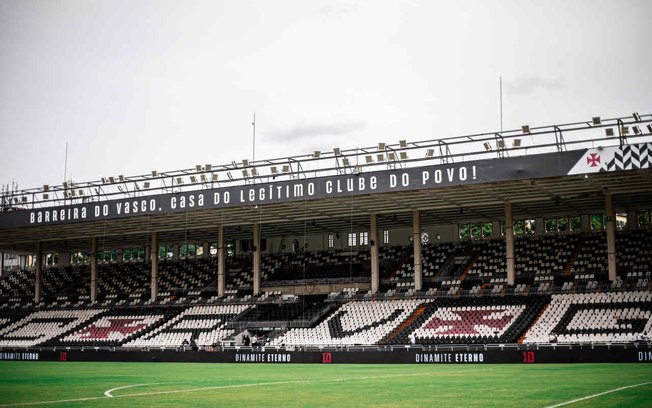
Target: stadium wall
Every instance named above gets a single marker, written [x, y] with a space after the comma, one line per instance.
[574, 354]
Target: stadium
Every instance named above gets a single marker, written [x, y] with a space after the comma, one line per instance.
[436, 261]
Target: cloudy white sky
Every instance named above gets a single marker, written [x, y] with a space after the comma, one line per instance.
[139, 85]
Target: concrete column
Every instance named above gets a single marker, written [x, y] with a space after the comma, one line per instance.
[148, 253]
[256, 255]
[585, 220]
[375, 263]
[2, 264]
[64, 259]
[632, 220]
[611, 236]
[154, 259]
[540, 228]
[93, 269]
[207, 250]
[176, 252]
[416, 241]
[39, 271]
[220, 261]
[509, 244]
[495, 229]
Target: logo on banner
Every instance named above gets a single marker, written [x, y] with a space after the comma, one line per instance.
[593, 160]
[109, 328]
[470, 322]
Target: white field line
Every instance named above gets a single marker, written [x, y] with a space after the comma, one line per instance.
[220, 387]
[107, 393]
[561, 404]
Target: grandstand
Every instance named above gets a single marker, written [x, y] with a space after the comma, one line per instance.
[474, 243]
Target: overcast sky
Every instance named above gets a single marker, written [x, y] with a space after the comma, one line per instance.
[135, 85]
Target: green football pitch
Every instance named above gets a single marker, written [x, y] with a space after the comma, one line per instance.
[270, 385]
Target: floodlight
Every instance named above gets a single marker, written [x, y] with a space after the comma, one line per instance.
[636, 116]
[609, 132]
[46, 187]
[357, 169]
[80, 193]
[203, 178]
[525, 128]
[274, 170]
[500, 144]
[193, 179]
[380, 157]
[402, 143]
[649, 128]
[179, 180]
[111, 180]
[625, 130]
[286, 168]
[154, 173]
[214, 178]
[597, 120]
[65, 184]
[316, 154]
[245, 173]
[146, 185]
[23, 199]
[345, 161]
[122, 178]
[404, 155]
[245, 162]
[516, 143]
[487, 146]
[198, 167]
[381, 146]
[430, 153]
[637, 130]
[392, 156]
[369, 159]
[254, 172]
[208, 167]
[337, 151]
[46, 196]
[15, 200]
[104, 180]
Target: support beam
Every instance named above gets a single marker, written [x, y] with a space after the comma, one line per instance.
[632, 220]
[375, 263]
[220, 261]
[256, 255]
[39, 271]
[93, 269]
[176, 252]
[611, 235]
[509, 244]
[585, 220]
[540, 228]
[416, 244]
[154, 260]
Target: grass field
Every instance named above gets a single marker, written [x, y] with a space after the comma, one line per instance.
[264, 385]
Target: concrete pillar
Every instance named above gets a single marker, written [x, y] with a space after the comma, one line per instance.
[220, 261]
[540, 228]
[632, 220]
[611, 236]
[375, 263]
[256, 255]
[207, 250]
[495, 229]
[64, 259]
[93, 269]
[176, 252]
[416, 241]
[2, 264]
[154, 259]
[585, 220]
[148, 253]
[509, 244]
[39, 271]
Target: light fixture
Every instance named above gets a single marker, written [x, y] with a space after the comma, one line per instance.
[381, 146]
[254, 172]
[500, 144]
[208, 167]
[198, 167]
[214, 177]
[245, 173]
[380, 157]
[179, 180]
[46, 196]
[122, 178]
[609, 132]
[203, 178]
[193, 179]
[597, 120]
[345, 161]
[286, 168]
[525, 128]
[404, 155]
[487, 146]
[274, 170]
[80, 193]
[369, 159]
[430, 153]
[46, 187]
[316, 154]
[625, 130]
[357, 169]
[636, 116]
[337, 151]
[146, 185]
[111, 179]
[392, 156]
[637, 130]
[24, 199]
[65, 184]
[245, 162]
[402, 143]
[516, 143]
[154, 173]
[103, 180]
[649, 128]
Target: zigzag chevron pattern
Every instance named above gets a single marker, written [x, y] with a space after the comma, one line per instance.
[631, 157]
